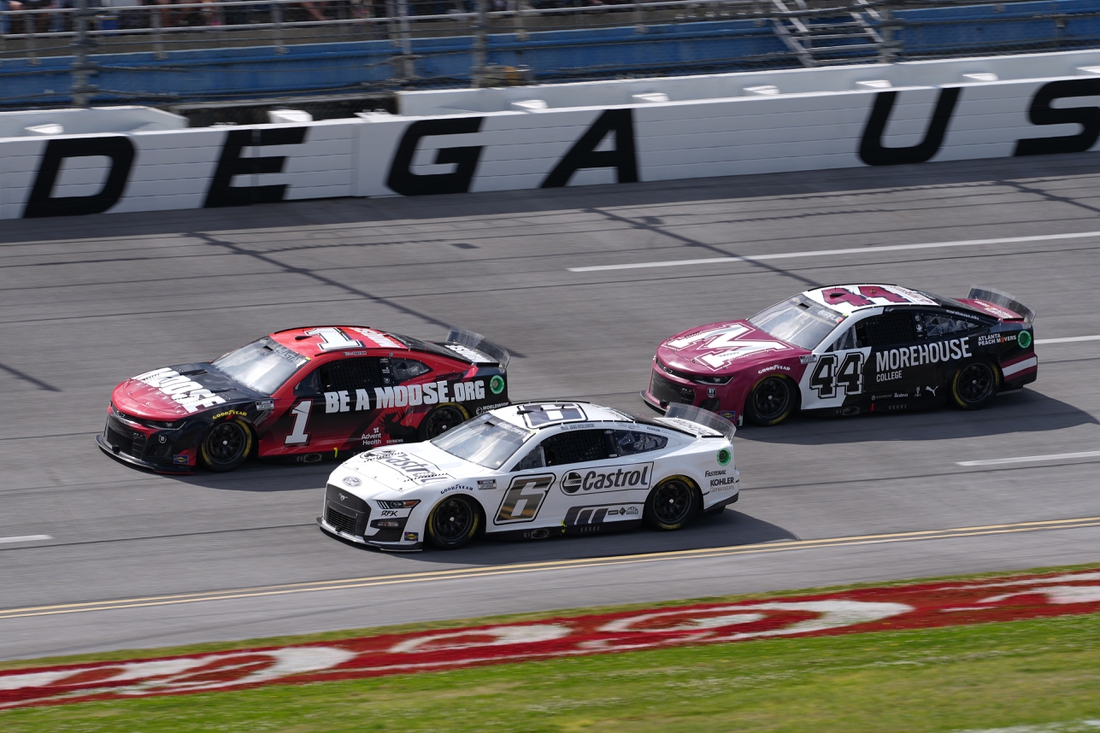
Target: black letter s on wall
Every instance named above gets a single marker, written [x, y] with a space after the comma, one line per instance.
[42, 203]
[403, 181]
[871, 150]
[1041, 113]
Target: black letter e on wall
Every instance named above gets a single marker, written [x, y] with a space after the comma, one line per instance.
[222, 192]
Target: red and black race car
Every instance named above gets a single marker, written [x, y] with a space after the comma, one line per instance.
[847, 349]
[303, 394]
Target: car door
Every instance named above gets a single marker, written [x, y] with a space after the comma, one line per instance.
[835, 379]
[594, 479]
[894, 367]
[332, 408]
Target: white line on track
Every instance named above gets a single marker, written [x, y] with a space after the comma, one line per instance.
[26, 538]
[1069, 340]
[1031, 459]
[833, 252]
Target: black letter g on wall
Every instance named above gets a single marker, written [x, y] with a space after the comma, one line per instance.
[403, 181]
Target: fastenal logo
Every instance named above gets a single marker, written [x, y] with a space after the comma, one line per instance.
[628, 477]
[724, 457]
[496, 384]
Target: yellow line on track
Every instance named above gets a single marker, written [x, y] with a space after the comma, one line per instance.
[581, 563]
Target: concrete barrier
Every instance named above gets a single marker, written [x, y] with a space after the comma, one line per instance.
[552, 136]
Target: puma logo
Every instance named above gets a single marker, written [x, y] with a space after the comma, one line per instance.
[932, 390]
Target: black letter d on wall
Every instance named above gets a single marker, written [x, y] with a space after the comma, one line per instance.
[871, 150]
[42, 203]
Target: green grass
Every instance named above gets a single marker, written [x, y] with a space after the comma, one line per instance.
[978, 677]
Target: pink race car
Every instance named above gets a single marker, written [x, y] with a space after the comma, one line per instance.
[848, 349]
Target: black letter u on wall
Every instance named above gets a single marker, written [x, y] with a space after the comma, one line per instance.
[42, 203]
[871, 150]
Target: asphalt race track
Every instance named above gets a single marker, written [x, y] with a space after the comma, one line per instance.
[96, 555]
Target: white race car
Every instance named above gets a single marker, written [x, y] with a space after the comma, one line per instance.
[535, 470]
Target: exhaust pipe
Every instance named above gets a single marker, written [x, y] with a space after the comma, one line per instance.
[311, 458]
[540, 534]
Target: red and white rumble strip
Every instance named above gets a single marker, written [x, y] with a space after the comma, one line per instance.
[870, 609]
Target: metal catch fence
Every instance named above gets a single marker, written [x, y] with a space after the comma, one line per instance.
[82, 51]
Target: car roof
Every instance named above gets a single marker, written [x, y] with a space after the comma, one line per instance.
[538, 415]
[876, 295]
[307, 342]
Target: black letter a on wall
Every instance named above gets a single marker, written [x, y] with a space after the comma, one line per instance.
[582, 155]
[871, 150]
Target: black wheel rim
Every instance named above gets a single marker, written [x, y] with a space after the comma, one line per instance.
[771, 399]
[975, 383]
[442, 420]
[672, 502]
[226, 443]
[452, 521]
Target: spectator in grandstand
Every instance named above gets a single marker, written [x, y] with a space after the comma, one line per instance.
[316, 10]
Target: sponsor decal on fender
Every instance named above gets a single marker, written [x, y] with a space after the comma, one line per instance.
[916, 606]
[411, 468]
[627, 477]
[403, 395]
[191, 395]
[229, 413]
[896, 359]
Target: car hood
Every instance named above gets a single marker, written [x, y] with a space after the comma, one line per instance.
[171, 393]
[723, 348]
[421, 466]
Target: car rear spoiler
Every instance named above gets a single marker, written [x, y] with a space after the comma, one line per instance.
[703, 418]
[494, 353]
[1002, 299]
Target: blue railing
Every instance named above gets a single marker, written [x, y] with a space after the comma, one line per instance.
[702, 46]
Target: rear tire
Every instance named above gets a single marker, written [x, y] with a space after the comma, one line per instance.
[226, 446]
[440, 420]
[453, 523]
[672, 504]
[974, 385]
[771, 401]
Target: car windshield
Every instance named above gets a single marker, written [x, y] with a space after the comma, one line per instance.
[486, 440]
[263, 365]
[798, 321]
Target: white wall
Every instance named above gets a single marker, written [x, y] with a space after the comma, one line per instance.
[517, 148]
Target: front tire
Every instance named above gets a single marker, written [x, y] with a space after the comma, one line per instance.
[974, 385]
[770, 401]
[440, 420]
[453, 523]
[226, 446]
[671, 504]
